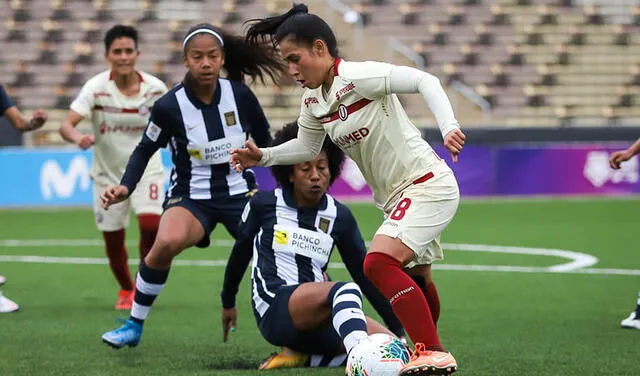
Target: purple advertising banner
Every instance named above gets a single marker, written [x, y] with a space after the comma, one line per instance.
[581, 169]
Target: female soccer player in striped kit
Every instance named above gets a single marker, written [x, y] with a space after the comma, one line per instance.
[202, 119]
[355, 103]
[118, 101]
[291, 232]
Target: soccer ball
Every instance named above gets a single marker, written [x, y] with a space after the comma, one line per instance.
[377, 355]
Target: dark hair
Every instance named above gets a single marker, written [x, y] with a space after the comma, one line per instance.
[120, 31]
[243, 59]
[304, 27]
[335, 156]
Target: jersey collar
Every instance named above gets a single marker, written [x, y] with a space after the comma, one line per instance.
[197, 103]
[138, 73]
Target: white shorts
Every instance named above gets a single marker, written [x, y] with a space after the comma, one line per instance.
[146, 199]
[420, 214]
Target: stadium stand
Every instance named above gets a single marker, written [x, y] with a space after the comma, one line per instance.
[534, 62]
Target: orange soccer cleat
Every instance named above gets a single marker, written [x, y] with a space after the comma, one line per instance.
[284, 359]
[426, 362]
[125, 300]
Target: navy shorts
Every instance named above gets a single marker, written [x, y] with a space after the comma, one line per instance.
[211, 212]
[277, 328]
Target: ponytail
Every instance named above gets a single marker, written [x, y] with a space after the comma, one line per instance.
[298, 23]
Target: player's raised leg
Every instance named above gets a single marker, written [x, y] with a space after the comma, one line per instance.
[179, 229]
[410, 236]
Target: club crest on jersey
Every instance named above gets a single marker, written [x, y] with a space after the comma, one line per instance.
[324, 224]
[195, 153]
[343, 113]
[281, 237]
[230, 118]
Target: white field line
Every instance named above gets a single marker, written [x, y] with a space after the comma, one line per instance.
[579, 262]
[333, 265]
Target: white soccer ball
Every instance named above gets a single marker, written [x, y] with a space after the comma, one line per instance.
[377, 355]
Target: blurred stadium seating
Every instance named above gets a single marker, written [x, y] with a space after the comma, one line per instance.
[533, 62]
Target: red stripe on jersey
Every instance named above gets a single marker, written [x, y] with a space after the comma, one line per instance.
[153, 93]
[335, 66]
[96, 95]
[349, 110]
[116, 109]
[423, 178]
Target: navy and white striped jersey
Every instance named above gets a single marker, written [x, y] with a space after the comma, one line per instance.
[291, 245]
[201, 138]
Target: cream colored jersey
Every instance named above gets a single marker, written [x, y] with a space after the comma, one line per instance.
[368, 123]
[118, 123]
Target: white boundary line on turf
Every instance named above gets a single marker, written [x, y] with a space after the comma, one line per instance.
[333, 265]
[579, 261]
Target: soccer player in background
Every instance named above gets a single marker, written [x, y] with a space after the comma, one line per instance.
[202, 119]
[293, 304]
[633, 321]
[118, 101]
[355, 103]
[20, 122]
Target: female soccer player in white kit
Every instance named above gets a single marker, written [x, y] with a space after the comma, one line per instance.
[119, 102]
[356, 105]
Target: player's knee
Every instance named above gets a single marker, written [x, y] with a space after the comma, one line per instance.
[168, 244]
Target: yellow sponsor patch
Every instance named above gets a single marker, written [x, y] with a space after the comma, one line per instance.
[281, 237]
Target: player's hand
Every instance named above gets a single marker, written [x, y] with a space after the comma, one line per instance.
[38, 119]
[618, 157]
[86, 141]
[113, 195]
[454, 141]
[245, 157]
[229, 316]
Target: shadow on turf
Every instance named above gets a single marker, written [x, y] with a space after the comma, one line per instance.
[233, 364]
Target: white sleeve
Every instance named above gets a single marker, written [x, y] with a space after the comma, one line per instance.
[301, 149]
[83, 104]
[405, 80]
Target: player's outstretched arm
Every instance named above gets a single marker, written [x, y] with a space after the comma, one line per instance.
[69, 132]
[624, 155]
[113, 195]
[303, 148]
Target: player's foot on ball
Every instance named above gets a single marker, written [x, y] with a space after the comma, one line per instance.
[631, 322]
[127, 335]
[284, 359]
[125, 300]
[7, 305]
[426, 362]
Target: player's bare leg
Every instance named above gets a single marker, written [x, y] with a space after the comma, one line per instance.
[179, 229]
